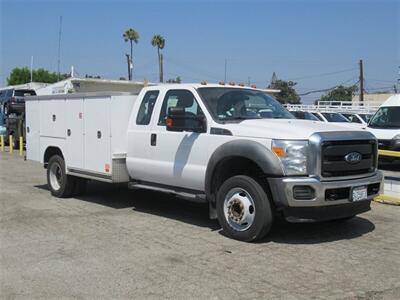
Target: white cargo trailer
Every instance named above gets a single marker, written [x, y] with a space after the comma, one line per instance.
[90, 128]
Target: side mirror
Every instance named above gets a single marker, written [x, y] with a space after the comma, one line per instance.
[179, 120]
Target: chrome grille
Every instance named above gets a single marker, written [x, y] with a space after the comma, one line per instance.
[334, 164]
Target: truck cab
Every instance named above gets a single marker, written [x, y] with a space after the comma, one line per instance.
[235, 148]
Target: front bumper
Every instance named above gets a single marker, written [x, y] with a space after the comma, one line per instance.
[327, 196]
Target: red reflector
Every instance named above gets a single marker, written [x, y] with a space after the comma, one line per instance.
[13, 99]
[169, 122]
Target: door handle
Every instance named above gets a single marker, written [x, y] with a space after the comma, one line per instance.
[99, 134]
[68, 132]
[153, 139]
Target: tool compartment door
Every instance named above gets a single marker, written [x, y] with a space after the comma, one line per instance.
[97, 135]
[32, 130]
[52, 118]
[74, 136]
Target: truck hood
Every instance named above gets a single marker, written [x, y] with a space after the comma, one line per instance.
[383, 134]
[291, 129]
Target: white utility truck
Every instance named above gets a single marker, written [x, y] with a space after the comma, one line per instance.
[385, 125]
[235, 148]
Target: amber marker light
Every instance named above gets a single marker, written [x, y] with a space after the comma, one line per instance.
[279, 151]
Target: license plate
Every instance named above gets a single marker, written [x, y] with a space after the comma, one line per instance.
[359, 193]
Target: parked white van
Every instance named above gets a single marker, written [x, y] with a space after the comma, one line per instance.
[385, 124]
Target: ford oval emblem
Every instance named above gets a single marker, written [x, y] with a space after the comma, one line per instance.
[353, 157]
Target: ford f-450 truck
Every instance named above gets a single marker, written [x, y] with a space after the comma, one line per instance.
[235, 148]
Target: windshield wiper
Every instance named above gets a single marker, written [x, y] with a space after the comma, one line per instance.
[243, 118]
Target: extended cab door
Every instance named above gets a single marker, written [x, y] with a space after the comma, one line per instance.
[177, 158]
[139, 158]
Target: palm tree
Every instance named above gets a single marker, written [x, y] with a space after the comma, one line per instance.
[159, 42]
[132, 36]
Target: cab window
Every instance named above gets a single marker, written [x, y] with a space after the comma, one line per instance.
[179, 98]
[146, 108]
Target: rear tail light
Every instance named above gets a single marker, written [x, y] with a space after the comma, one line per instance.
[13, 99]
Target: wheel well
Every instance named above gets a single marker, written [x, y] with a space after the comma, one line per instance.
[51, 151]
[236, 166]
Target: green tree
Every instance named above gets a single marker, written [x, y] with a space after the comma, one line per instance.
[159, 42]
[340, 93]
[23, 75]
[133, 37]
[176, 80]
[287, 92]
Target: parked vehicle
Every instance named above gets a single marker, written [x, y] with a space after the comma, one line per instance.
[330, 117]
[13, 106]
[304, 115]
[3, 130]
[232, 147]
[358, 118]
[385, 125]
[12, 100]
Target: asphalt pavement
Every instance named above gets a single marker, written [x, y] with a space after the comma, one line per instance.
[114, 243]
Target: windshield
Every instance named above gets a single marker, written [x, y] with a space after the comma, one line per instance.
[230, 104]
[335, 117]
[21, 93]
[352, 118]
[365, 117]
[318, 117]
[305, 115]
[386, 117]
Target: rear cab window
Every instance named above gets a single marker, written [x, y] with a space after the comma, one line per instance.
[22, 93]
[146, 108]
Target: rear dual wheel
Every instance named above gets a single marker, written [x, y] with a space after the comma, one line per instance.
[62, 185]
[243, 209]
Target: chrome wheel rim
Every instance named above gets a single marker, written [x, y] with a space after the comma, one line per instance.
[239, 209]
[55, 176]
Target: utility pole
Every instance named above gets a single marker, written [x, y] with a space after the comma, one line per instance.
[161, 68]
[31, 68]
[361, 82]
[225, 69]
[59, 49]
[129, 67]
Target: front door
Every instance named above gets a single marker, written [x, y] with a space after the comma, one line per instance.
[179, 158]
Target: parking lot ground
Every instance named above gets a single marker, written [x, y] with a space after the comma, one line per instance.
[117, 243]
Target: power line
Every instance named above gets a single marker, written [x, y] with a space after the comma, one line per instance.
[191, 69]
[328, 89]
[323, 74]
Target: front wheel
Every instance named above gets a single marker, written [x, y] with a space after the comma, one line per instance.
[243, 208]
[61, 185]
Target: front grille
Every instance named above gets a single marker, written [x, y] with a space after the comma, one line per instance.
[333, 158]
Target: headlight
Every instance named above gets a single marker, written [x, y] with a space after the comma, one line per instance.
[293, 156]
[396, 137]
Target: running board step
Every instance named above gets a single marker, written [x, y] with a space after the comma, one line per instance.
[193, 197]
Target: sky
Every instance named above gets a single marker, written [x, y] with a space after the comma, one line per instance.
[317, 44]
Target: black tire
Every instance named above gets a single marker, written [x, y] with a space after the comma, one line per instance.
[60, 184]
[342, 220]
[80, 186]
[263, 216]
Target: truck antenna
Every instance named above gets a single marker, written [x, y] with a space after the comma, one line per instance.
[59, 49]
